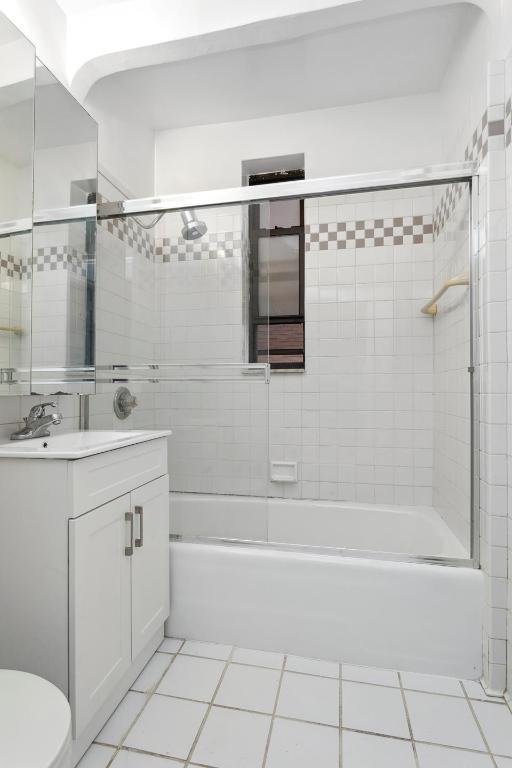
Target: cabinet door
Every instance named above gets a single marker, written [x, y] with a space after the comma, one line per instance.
[100, 606]
[150, 562]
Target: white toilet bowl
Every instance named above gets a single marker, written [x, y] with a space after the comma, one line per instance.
[35, 722]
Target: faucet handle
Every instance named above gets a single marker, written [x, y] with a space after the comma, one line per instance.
[37, 411]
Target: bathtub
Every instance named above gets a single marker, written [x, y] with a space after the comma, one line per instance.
[319, 603]
[415, 531]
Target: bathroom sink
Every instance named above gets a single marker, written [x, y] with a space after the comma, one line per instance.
[76, 445]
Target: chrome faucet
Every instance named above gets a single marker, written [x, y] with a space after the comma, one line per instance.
[37, 422]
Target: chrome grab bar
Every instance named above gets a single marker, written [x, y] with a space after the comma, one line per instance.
[430, 307]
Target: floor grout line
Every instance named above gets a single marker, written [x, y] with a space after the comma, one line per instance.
[481, 730]
[274, 710]
[273, 715]
[487, 699]
[209, 707]
[138, 751]
[494, 700]
[408, 718]
[148, 697]
[381, 735]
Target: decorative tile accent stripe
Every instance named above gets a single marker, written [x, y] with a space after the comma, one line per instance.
[59, 257]
[373, 233]
[215, 245]
[476, 150]
[129, 232]
[341, 235]
[11, 266]
[446, 208]
[479, 145]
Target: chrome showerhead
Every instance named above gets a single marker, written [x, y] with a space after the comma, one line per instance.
[193, 228]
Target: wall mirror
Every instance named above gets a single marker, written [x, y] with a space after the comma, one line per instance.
[64, 241]
[17, 85]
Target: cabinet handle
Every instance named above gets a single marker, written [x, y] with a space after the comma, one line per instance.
[128, 516]
[140, 541]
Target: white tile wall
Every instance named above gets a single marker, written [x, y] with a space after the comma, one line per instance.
[127, 323]
[452, 357]
[491, 232]
[503, 353]
[359, 420]
[220, 428]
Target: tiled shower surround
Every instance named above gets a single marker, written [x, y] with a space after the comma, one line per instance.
[452, 358]
[359, 421]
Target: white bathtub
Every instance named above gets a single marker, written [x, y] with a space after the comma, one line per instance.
[424, 618]
[375, 528]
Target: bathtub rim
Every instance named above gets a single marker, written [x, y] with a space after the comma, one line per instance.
[341, 552]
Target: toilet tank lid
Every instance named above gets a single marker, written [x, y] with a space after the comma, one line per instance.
[35, 720]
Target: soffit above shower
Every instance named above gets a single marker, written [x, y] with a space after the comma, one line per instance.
[374, 59]
[77, 6]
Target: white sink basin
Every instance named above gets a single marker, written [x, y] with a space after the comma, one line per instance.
[76, 445]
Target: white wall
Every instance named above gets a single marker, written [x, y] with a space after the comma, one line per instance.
[125, 150]
[44, 23]
[463, 94]
[55, 168]
[396, 133]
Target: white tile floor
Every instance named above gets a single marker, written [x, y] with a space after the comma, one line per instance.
[204, 704]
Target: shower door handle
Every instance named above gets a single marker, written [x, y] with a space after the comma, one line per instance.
[140, 541]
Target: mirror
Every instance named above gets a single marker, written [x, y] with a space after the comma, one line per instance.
[17, 70]
[64, 241]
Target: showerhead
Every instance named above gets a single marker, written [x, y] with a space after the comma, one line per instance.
[193, 228]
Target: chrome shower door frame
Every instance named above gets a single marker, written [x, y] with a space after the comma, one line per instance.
[455, 173]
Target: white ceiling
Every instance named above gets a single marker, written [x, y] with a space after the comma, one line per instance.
[384, 58]
[76, 6]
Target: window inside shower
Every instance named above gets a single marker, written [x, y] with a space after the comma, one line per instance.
[276, 285]
[368, 451]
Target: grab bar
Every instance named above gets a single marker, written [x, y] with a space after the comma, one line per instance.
[11, 329]
[431, 307]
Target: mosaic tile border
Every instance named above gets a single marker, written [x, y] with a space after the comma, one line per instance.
[341, 235]
[476, 150]
[59, 257]
[11, 266]
[372, 233]
[478, 146]
[129, 232]
[215, 245]
[446, 208]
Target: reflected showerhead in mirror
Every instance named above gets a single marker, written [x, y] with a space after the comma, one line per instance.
[193, 228]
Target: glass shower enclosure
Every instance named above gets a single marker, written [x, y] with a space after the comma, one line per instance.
[311, 346]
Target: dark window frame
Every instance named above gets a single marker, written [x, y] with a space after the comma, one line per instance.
[256, 318]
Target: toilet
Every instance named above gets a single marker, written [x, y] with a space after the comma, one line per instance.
[35, 722]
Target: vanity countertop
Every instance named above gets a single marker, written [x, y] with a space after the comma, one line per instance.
[77, 445]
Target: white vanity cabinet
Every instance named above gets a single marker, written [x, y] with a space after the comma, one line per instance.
[119, 574]
[84, 572]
